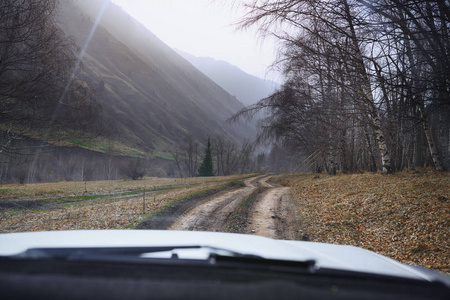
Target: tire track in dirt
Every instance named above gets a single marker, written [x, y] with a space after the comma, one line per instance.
[270, 213]
[212, 215]
[273, 215]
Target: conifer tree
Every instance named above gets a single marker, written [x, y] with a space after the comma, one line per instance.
[206, 168]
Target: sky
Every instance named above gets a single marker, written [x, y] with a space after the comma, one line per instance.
[206, 28]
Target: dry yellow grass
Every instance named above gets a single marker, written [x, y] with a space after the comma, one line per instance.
[405, 216]
[115, 213]
[100, 214]
[69, 188]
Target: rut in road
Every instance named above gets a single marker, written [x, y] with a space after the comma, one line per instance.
[271, 213]
[212, 215]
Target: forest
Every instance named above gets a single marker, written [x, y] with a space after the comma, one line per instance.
[366, 83]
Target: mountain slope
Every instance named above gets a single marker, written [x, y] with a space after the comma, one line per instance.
[155, 96]
[247, 88]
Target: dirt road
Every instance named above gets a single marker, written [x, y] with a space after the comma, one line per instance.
[270, 212]
[212, 215]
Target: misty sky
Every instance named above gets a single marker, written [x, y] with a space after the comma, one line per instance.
[205, 28]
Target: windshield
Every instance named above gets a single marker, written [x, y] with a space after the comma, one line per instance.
[315, 121]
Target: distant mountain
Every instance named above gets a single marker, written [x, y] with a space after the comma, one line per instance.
[155, 96]
[247, 88]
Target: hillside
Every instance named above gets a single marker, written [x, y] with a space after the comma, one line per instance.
[155, 96]
[247, 88]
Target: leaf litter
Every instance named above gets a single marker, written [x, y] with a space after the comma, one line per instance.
[405, 216]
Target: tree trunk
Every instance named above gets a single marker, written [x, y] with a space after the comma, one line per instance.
[332, 158]
[344, 156]
[420, 104]
[368, 96]
[430, 139]
[371, 156]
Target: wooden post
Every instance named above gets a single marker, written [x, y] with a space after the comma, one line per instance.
[143, 203]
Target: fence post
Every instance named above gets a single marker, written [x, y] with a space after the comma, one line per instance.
[143, 202]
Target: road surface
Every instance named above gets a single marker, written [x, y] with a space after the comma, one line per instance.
[271, 213]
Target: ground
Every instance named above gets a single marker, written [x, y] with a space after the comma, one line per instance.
[404, 216]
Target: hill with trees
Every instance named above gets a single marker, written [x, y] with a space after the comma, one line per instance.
[94, 91]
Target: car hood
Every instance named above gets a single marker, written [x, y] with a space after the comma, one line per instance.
[339, 257]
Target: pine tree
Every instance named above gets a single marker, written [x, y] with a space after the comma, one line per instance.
[206, 168]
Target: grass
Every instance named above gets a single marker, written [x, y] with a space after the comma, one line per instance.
[81, 144]
[95, 210]
[103, 145]
[96, 144]
[6, 193]
[82, 198]
[75, 188]
[155, 189]
[237, 183]
[164, 155]
[73, 198]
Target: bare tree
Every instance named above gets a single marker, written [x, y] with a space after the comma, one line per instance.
[187, 156]
[358, 74]
[35, 57]
[232, 158]
[41, 91]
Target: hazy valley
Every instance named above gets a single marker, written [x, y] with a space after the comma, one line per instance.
[148, 99]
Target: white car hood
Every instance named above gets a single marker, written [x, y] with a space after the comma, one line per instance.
[340, 257]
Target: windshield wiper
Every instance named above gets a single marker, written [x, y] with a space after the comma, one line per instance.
[138, 252]
[203, 255]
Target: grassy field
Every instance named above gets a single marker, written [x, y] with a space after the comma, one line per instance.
[75, 188]
[94, 209]
[405, 216]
